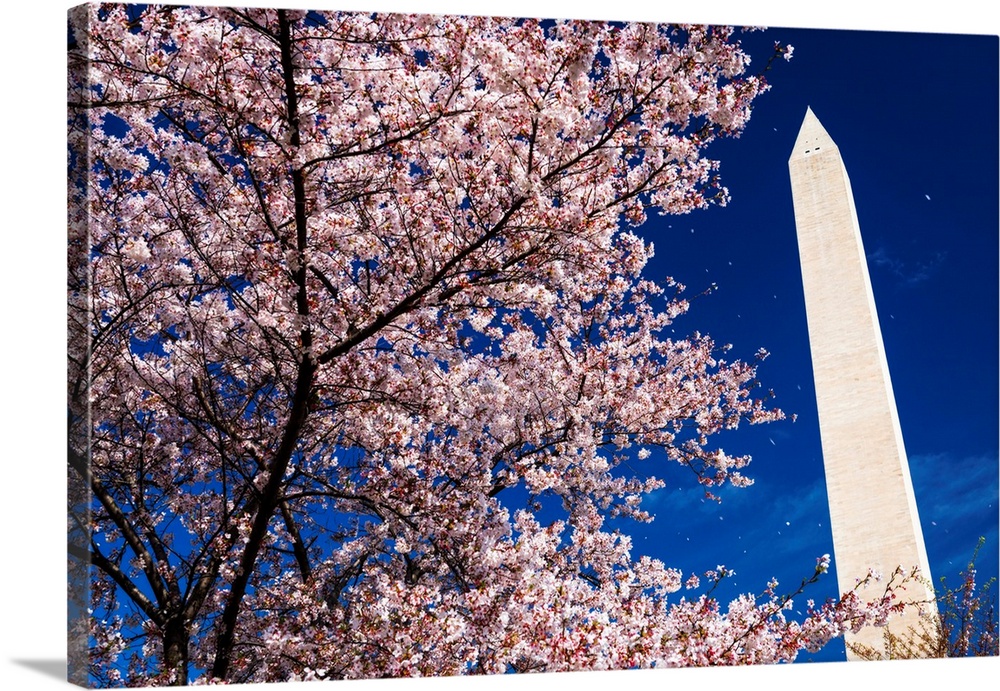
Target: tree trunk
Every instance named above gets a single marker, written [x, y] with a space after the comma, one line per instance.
[175, 651]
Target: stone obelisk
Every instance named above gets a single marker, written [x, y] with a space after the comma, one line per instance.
[873, 512]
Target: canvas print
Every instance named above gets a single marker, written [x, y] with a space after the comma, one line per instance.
[422, 345]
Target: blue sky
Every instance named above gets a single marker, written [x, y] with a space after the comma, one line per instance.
[934, 270]
[915, 118]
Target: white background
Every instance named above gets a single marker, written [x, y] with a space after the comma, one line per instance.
[32, 338]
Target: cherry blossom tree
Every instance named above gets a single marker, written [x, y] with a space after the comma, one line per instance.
[963, 623]
[362, 354]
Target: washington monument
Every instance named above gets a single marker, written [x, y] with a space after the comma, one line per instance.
[873, 513]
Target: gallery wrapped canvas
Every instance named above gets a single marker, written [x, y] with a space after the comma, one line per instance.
[368, 373]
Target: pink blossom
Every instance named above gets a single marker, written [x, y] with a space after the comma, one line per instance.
[362, 314]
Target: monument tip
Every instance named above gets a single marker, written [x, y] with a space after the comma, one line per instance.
[812, 136]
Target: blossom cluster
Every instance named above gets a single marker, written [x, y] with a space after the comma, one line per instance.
[364, 354]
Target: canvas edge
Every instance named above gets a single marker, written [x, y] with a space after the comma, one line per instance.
[78, 355]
